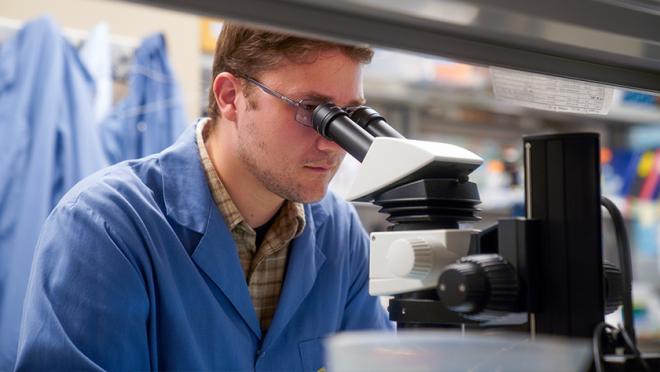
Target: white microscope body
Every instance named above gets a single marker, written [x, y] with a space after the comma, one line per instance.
[405, 261]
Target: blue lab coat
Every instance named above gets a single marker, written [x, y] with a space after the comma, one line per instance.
[48, 142]
[136, 270]
[151, 116]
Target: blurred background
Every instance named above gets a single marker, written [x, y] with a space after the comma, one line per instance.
[149, 69]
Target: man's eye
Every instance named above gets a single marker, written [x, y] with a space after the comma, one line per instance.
[309, 105]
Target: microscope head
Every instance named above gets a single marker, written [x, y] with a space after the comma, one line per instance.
[392, 162]
[421, 185]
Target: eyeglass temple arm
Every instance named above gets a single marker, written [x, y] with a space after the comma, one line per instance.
[270, 91]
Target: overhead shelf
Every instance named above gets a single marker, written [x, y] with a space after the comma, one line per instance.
[613, 42]
[434, 95]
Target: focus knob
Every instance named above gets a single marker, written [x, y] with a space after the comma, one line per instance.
[479, 286]
[463, 288]
[410, 258]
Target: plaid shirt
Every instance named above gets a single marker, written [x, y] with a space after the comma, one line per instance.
[263, 266]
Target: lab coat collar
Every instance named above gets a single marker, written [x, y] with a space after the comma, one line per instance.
[217, 256]
[185, 189]
[189, 202]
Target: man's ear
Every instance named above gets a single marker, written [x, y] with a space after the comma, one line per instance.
[225, 88]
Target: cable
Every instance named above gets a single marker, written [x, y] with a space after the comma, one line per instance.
[628, 330]
[596, 343]
[598, 350]
[635, 350]
[625, 266]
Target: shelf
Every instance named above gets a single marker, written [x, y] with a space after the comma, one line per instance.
[607, 42]
[418, 95]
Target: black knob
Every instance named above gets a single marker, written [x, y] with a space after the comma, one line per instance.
[480, 286]
[462, 287]
[613, 287]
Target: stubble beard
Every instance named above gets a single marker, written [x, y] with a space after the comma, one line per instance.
[281, 183]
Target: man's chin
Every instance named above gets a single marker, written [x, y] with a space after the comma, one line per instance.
[309, 197]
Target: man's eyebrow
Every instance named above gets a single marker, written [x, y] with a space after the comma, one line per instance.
[323, 98]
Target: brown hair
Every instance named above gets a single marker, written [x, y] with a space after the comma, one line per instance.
[249, 51]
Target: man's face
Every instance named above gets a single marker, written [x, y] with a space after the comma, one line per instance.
[288, 159]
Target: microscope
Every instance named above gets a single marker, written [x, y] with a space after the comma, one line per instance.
[542, 273]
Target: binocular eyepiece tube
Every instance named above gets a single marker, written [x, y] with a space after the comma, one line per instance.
[373, 122]
[354, 132]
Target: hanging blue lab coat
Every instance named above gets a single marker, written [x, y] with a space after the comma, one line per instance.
[137, 270]
[151, 116]
[48, 142]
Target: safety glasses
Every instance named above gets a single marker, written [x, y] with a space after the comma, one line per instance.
[304, 107]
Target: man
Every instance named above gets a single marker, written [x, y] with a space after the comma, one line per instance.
[223, 252]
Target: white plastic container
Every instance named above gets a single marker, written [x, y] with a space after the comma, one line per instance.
[449, 351]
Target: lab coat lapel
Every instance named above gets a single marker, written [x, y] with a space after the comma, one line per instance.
[217, 256]
[305, 261]
[189, 202]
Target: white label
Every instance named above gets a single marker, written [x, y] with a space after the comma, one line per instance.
[550, 93]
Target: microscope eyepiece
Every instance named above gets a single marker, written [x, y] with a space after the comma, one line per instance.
[334, 124]
[323, 116]
[373, 122]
